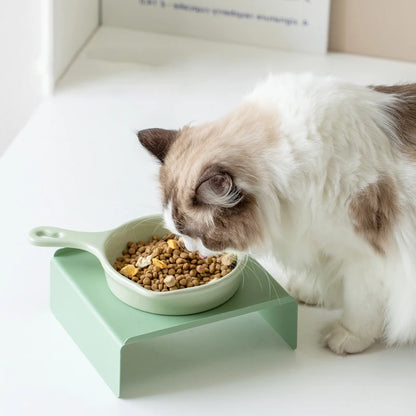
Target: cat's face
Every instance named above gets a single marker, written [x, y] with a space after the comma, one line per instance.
[207, 186]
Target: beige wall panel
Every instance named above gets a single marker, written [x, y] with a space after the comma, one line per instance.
[384, 28]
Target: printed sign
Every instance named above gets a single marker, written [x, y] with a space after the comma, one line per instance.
[298, 25]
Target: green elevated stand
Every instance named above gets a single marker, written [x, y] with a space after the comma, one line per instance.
[106, 329]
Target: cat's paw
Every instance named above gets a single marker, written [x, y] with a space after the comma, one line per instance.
[343, 341]
[302, 292]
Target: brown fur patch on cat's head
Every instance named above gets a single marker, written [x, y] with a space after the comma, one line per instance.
[206, 176]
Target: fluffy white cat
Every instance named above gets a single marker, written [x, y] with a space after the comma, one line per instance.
[322, 174]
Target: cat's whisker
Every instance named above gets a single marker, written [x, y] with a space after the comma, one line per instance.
[253, 273]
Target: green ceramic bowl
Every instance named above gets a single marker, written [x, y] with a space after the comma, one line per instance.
[108, 245]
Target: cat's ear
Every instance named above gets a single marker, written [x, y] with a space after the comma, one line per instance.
[157, 141]
[217, 188]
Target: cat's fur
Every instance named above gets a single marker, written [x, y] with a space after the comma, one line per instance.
[321, 173]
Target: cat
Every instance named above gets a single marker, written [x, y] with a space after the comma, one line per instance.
[322, 174]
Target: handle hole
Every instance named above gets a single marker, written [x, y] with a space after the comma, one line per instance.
[48, 234]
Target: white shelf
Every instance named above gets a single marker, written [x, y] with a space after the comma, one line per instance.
[77, 164]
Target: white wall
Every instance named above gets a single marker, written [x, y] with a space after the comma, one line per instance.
[38, 39]
[23, 63]
[81, 15]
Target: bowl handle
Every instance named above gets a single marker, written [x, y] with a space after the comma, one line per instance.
[59, 237]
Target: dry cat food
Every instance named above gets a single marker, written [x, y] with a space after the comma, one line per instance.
[163, 265]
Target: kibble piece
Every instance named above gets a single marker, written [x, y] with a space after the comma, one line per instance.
[228, 259]
[200, 269]
[146, 281]
[159, 263]
[173, 244]
[170, 281]
[144, 261]
[129, 271]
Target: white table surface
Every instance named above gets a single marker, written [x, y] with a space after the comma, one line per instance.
[77, 164]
